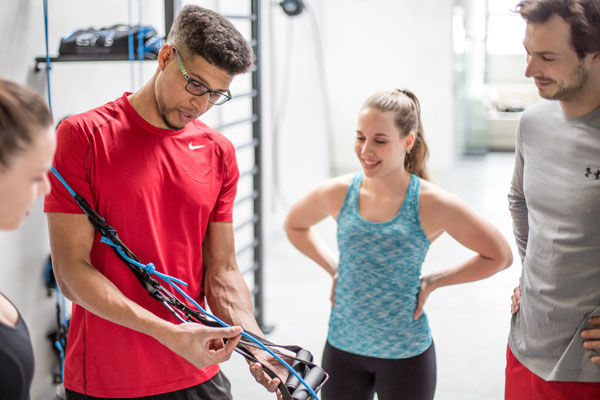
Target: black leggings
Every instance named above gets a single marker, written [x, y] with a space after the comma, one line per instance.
[354, 377]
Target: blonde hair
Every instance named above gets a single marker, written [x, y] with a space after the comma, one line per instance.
[22, 113]
[407, 116]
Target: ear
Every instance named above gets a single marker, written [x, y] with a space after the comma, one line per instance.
[596, 58]
[164, 54]
[410, 140]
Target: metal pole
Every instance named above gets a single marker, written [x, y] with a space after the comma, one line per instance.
[256, 134]
[169, 15]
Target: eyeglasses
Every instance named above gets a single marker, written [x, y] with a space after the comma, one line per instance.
[198, 89]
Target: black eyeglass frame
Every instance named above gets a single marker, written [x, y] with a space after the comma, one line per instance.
[223, 97]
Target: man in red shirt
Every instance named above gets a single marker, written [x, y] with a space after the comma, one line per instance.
[167, 183]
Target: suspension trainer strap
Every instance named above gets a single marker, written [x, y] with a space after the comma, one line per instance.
[305, 379]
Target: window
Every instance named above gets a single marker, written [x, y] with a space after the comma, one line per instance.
[505, 28]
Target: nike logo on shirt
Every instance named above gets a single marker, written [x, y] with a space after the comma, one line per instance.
[192, 147]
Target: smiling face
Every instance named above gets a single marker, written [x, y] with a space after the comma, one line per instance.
[552, 62]
[25, 179]
[379, 144]
[175, 104]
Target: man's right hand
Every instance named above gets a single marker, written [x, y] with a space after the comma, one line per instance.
[516, 300]
[591, 336]
[202, 345]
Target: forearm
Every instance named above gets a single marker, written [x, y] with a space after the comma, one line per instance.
[473, 269]
[229, 299]
[310, 244]
[84, 285]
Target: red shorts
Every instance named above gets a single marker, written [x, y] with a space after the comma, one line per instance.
[522, 384]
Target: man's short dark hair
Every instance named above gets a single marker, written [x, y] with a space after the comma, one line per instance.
[582, 15]
[210, 35]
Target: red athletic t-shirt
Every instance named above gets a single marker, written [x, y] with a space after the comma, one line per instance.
[159, 189]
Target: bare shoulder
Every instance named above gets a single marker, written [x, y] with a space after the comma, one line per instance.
[326, 198]
[436, 208]
[8, 313]
[432, 197]
[338, 185]
[330, 193]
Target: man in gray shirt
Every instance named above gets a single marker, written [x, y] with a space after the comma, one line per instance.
[555, 205]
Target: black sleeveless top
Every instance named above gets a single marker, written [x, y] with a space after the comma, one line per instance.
[16, 361]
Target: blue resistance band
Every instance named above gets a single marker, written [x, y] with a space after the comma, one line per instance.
[47, 56]
[174, 282]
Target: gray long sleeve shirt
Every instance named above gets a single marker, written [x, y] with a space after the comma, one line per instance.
[554, 201]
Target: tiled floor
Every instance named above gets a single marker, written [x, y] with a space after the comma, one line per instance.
[469, 322]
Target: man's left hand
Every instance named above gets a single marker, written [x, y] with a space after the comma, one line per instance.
[271, 384]
[591, 337]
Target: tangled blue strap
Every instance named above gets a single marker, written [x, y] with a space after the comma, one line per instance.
[175, 282]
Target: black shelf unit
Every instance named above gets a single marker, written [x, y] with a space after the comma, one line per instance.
[87, 58]
[256, 267]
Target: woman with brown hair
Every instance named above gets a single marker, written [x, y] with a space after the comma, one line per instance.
[387, 215]
[27, 144]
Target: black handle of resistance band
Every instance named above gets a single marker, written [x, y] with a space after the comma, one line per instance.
[313, 375]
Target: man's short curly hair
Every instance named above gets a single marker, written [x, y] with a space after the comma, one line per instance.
[210, 35]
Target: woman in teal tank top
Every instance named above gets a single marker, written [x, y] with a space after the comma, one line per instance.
[388, 214]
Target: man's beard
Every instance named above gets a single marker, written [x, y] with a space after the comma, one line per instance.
[566, 93]
[169, 124]
[163, 114]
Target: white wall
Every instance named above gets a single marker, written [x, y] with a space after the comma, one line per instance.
[382, 44]
[368, 46]
[296, 127]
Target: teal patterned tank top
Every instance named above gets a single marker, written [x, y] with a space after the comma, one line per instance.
[379, 277]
